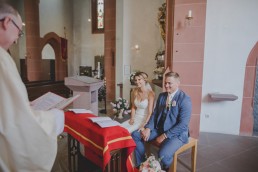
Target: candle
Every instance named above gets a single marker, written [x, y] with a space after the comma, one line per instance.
[98, 69]
[190, 13]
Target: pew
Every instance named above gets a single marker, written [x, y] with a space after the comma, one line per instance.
[36, 89]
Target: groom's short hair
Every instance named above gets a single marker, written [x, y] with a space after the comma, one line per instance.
[172, 74]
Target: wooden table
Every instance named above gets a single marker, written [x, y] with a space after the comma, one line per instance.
[101, 144]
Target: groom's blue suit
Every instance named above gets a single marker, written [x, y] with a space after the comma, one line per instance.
[175, 126]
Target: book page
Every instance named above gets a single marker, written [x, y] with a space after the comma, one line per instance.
[104, 122]
[66, 102]
[81, 111]
[96, 119]
[108, 123]
[51, 100]
[46, 102]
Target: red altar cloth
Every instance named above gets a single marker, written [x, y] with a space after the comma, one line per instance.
[99, 142]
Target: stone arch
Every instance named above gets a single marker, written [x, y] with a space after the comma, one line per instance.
[247, 119]
[54, 40]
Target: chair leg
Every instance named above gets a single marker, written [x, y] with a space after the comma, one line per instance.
[174, 164]
[194, 157]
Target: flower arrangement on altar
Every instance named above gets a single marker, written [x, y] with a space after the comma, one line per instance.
[151, 165]
[121, 105]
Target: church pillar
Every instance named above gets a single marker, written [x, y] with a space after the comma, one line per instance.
[110, 48]
[33, 55]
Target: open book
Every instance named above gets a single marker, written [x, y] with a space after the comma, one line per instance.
[104, 122]
[51, 100]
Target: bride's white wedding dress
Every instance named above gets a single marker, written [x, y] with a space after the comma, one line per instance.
[140, 116]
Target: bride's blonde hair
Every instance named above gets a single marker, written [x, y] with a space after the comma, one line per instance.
[143, 75]
[136, 91]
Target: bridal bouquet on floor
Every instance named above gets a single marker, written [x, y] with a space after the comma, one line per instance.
[151, 165]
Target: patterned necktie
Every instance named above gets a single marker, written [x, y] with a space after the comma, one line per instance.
[169, 101]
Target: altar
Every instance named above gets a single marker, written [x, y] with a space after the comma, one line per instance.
[101, 145]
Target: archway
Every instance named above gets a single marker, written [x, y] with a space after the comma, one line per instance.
[247, 117]
[48, 58]
[54, 41]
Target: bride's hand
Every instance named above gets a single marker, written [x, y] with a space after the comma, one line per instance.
[141, 129]
[131, 122]
[143, 125]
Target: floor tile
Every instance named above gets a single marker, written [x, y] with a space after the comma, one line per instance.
[216, 153]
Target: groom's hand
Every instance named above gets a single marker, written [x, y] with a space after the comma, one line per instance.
[160, 139]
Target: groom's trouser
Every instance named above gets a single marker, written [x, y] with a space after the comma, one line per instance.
[166, 150]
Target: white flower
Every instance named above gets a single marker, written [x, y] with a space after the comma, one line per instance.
[159, 70]
[151, 165]
[120, 105]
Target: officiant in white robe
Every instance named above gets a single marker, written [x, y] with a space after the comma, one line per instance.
[28, 138]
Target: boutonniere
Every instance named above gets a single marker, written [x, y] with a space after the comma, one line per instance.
[173, 103]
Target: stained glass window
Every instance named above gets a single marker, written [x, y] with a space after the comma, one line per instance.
[97, 16]
[100, 14]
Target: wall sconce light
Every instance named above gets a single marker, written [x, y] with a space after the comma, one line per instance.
[137, 47]
[189, 17]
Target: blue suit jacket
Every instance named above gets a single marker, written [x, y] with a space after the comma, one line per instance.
[177, 118]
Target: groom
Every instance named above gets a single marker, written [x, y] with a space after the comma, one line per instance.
[168, 124]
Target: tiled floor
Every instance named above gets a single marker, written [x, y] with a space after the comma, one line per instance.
[224, 153]
[216, 153]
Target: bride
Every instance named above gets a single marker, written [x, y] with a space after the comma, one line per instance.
[142, 103]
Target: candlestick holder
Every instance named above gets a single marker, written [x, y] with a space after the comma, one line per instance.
[188, 20]
[188, 17]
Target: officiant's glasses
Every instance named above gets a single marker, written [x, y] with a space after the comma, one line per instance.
[21, 33]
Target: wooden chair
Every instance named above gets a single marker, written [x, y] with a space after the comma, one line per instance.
[191, 144]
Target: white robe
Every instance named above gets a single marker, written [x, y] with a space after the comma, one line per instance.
[28, 138]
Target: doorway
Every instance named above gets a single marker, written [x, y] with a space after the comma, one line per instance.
[255, 105]
[249, 114]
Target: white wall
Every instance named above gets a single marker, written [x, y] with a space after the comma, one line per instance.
[139, 26]
[86, 44]
[231, 33]
[55, 15]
